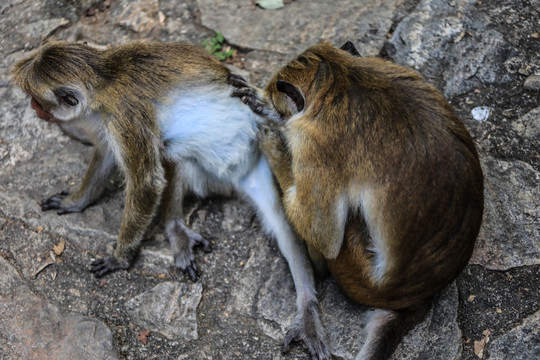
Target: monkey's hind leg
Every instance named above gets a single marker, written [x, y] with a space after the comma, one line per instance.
[258, 186]
[181, 237]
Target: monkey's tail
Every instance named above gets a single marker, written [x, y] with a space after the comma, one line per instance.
[386, 328]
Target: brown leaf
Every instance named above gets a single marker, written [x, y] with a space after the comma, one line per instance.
[143, 336]
[39, 229]
[59, 248]
[480, 346]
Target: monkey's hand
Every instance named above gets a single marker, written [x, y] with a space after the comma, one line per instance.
[307, 327]
[63, 203]
[102, 267]
[252, 97]
[184, 240]
[272, 141]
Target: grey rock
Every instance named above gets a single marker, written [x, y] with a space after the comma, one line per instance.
[169, 309]
[438, 336]
[532, 83]
[510, 230]
[34, 329]
[434, 39]
[251, 27]
[528, 126]
[535, 4]
[520, 343]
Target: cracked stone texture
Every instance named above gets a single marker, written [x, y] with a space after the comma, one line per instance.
[477, 53]
[34, 328]
[365, 22]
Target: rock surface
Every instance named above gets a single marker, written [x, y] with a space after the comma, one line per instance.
[478, 53]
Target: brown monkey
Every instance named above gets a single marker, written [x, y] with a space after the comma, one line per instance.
[147, 105]
[379, 177]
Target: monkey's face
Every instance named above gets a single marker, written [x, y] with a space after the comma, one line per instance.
[58, 92]
[62, 103]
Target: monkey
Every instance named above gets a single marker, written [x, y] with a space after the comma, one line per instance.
[164, 115]
[379, 178]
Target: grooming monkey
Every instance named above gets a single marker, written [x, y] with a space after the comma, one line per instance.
[164, 115]
[379, 177]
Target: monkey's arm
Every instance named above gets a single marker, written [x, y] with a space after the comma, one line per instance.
[93, 184]
[139, 151]
[317, 209]
[273, 146]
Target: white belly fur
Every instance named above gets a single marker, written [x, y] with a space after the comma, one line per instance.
[208, 127]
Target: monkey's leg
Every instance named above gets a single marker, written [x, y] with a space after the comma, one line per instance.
[94, 183]
[258, 186]
[181, 237]
[144, 186]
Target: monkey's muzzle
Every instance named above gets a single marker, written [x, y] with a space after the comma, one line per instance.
[40, 112]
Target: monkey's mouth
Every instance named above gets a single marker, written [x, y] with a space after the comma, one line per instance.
[40, 112]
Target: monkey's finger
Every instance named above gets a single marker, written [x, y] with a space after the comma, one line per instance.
[102, 267]
[243, 93]
[237, 80]
[69, 210]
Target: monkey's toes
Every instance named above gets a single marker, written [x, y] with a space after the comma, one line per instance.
[192, 272]
[308, 329]
[187, 266]
[53, 202]
[102, 267]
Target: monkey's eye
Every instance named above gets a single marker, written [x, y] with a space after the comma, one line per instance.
[68, 98]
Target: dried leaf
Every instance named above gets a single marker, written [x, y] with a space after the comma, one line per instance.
[42, 267]
[39, 229]
[270, 4]
[143, 336]
[480, 346]
[59, 248]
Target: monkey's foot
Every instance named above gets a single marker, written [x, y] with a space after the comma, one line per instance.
[57, 202]
[183, 240]
[102, 267]
[308, 328]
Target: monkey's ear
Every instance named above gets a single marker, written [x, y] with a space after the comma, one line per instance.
[293, 93]
[349, 47]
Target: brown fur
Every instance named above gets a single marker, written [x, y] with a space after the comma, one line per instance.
[123, 84]
[374, 129]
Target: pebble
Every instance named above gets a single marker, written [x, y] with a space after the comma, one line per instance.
[480, 113]
[532, 82]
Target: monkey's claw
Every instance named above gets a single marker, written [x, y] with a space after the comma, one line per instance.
[102, 267]
[192, 271]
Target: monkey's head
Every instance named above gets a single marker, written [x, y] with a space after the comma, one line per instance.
[310, 78]
[59, 79]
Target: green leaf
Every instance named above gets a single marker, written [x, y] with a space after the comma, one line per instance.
[219, 37]
[270, 4]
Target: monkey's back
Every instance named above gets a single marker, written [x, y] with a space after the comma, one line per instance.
[380, 134]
